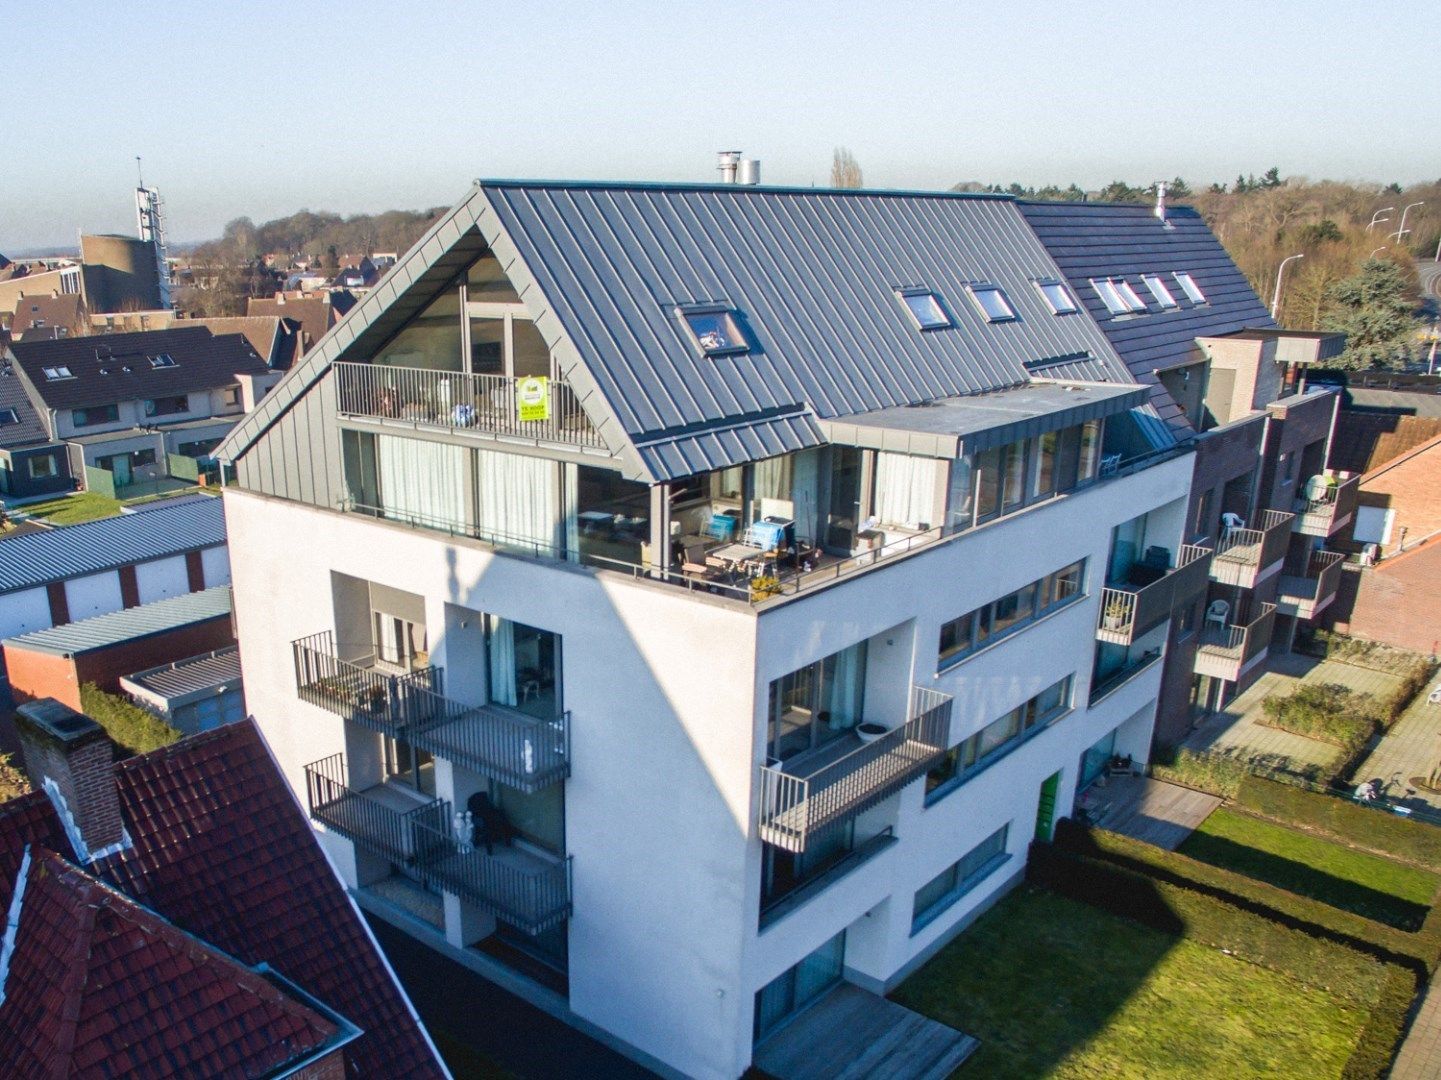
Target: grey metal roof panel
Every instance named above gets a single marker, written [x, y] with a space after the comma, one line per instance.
[687, 453]
[1079, 368]
[95, 546]
[193, 675]
[129, 624]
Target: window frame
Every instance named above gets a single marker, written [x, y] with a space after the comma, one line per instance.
[112, 415]
[161, 361]
[997, 293]
[1187, 281]
[967, 759]
[1163, 295]
[8, 417]
[57, 373]
[152, 406]
[1051, 283]
[963, 875]
[941, 320]
[1106, 290]
[1129, 294]
[741, 343]
[981, 623]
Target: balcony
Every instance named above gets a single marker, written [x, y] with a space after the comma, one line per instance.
[1305, 596]
[1129, 610]
[458, 402]
[528, 890]
[1229, 650]
[1245, 556]
[1329, 512]
[806, 794]
[516, 749]
[1105, 687]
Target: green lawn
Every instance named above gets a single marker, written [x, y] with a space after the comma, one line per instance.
[1309, 865]
[73, 509]
[1056, 988]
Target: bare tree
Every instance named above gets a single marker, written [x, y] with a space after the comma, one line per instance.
[845, 172]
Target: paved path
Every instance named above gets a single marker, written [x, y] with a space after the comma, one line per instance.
[1412, 748]
[1150, 810]
[1420, 1056]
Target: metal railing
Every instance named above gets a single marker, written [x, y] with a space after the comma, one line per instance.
[1224, 652]
[1323, 516]
[1309, 592]
[1127, 611]
[1241, 554]
[459, 401]
[795, 805]
[357, 689]
[403, 837]
[1117, 679]
[528, 891]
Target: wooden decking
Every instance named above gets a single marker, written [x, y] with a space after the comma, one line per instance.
[1150, 810]
[852, 1034]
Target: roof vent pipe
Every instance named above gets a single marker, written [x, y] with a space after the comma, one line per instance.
[728, 160]
[1161, 200]
[750, 172]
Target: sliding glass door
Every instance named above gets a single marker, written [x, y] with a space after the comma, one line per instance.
[796, 988]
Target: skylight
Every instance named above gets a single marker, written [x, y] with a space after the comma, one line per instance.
[9, 416]
[1058, 297]
[1128, 294]
[714, 330]
[162, 361]
[992, 301]
[55, 374]
[1189, 287]
[1111, 297]
[1159, 291]
[925, 307]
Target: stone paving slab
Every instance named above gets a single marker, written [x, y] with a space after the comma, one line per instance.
[1412, 748]
[1420, 1056]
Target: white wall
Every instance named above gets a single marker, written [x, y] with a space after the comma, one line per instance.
[161, 578]
[215, 562]
[96, 594]
[24, 611]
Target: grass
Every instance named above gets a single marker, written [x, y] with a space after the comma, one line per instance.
[73, 509]
[1311, 866]
[1054, 987]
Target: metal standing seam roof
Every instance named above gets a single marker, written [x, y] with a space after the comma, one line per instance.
[191, 676]
[812, 274]
[95, 546]
[103, 631]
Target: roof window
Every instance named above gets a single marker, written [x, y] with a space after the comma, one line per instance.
[925, 308]
[55, 374]
[163, 360]
[714, 329]
[993, 303]
[9, 416]
[1111, 297]
[1189, 287]
[1057, 297]
[1159, 291]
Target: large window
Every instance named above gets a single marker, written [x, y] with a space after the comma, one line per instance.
[952, 883]
[962, 636]
[797, 987]
[524, 667]
[817, 704]
[167, 406]
[94, 415]
[42, 466]
[1189, 287]
[1007, 477]
[431, 339]
[612, 516]
[973, 754]
[405, 764]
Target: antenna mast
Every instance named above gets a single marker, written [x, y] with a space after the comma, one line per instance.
[150, 224]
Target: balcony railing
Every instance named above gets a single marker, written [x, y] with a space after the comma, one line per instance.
[402, 836]
[1324, 515]
[1128, 611]
[1107, 686]
[1306, 595]
[527, 890]
[460, 402]
[511, 747]
[357, 689]
[1227, 652]
[1243, 555]
[793, 805]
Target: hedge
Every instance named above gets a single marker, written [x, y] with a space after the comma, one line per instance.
[1328, 712]
[1363, 826]
[134, 729]
[1218, 774]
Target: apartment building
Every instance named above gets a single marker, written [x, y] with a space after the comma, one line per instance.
[1224, 378]
[759, 569]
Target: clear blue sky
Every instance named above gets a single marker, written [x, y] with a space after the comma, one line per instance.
[261, 109]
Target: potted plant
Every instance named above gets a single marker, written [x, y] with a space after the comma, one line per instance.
[870, 731]
[1115, 614]
[764, 586]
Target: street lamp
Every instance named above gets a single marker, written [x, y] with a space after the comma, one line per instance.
[1376, 218]
[1373, 253]
[1402, 230]
[1276, 295]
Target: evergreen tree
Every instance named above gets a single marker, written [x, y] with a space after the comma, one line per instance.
[1373, 309]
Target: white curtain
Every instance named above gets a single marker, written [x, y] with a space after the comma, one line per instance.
[570, 493]
[502, 661]
[773, 477]
[421, 481]
[517, 498]
[844, 692]
[906, 490]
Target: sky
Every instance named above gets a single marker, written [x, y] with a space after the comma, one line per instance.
[264, 109]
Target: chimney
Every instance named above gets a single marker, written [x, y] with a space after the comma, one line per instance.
[72, 759]
[1161, 200]
[729, 162]
[750, 172]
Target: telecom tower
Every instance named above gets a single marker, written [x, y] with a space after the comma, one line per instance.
[151, 226]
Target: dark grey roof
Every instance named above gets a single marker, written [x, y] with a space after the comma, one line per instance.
[184, 680]
[89, 548]
[103, 631]
[30, 429]
[812, 275]
[203, 361]
[1100, 240]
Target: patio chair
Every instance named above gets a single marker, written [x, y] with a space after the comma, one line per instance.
[1218, 612]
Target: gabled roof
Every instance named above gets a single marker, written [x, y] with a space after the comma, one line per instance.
[29, 428]
[1090, 241]
[221, 850]
[99, 986]
[811, 274]
[66, 310]
[275, 340]
[128, 624]
[116, 367]
[94, 546]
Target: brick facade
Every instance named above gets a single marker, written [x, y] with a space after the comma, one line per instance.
[1394, 602]
[1410, 486]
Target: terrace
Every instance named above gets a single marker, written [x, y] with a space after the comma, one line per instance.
[1246, 555]
[1304, 596]
[1150, 593]
[1329, 506]
[1228, 650]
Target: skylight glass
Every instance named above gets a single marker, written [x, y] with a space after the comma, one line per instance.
[1159, 291]
[55, 374]
[1129, 295]
[925, 308]
[1111, 297]
[162, 361]
[993, 302]
[9, 416]
[714, 330]
[1189, 287]
[1058, 297]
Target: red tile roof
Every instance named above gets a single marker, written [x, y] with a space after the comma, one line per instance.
[99, 987]
[223, 851]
